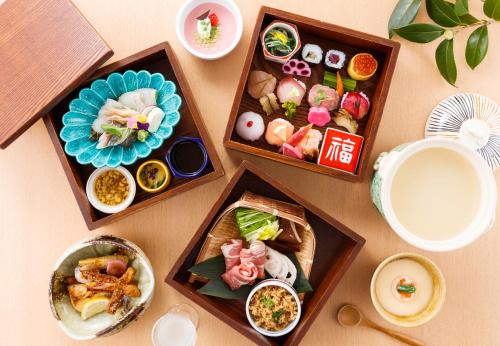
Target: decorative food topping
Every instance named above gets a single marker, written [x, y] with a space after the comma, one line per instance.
[111, 187]
[340, 85]
[260, 84]
[323, 96]
[207, 29]
[279, 41]
[318, 116]
[278, 131]
[250, 126]
[152, 175]
[404, 288]
[362, 66]
[297, 68]
[273, 308]
[312, 53]
[356, 104]
[335, 59]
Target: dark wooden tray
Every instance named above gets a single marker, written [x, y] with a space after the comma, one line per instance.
[159, 58]
[328, 36]
[336, 247]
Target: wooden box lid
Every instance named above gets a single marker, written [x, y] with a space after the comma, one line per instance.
[46, 49]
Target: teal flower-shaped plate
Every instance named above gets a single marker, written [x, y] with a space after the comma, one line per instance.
[83, 111]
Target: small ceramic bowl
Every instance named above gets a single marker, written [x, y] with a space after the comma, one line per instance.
[168, 176]
[286, 286]
[102, 324]
[435, 304]
[175, 171]
[185, 11]
[110, 209]
[289, 27]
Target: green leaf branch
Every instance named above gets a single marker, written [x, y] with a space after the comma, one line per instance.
[450, 19]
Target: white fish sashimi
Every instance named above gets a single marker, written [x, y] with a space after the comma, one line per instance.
[155, 117]
[139, 99]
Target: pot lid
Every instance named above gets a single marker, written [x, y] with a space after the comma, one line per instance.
[46, 49]
[472, 119]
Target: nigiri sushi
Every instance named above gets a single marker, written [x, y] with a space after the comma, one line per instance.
[278, 131]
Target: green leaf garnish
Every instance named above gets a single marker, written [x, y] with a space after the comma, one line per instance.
[491, 8]
[406, 288]
[268, 303]
[477, 46]
[291, 109]
[277, 315]
[442, 13]
[420, 33]
[445, 61]
[461, 7]
[403, 14]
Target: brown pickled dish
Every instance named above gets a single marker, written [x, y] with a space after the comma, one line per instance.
[111, 187]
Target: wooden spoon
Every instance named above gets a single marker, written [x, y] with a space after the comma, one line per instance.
[350, 316]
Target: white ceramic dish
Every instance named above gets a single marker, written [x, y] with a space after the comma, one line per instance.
[434, 306]
[110, 209]
[283, 284]
[386, 167]
[103, 324]
[184, 11]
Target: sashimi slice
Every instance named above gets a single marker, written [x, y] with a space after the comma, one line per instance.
[299, 135]
[292, 151]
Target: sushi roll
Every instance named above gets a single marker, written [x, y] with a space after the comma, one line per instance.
[335, 59]
[250, 126]
[312, 53]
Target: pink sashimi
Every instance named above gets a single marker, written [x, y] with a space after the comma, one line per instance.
[299, 135]
[292, 151]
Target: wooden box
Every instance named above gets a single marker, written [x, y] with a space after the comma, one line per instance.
[336, 247]
[159, 58]
[328, 36]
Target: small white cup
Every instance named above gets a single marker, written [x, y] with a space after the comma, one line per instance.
[110, 209]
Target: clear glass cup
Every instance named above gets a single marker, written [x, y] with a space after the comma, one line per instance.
[177, 327]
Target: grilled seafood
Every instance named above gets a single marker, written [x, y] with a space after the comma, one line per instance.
[96, 277]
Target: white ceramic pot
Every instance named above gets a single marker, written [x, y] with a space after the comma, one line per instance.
[388, 164]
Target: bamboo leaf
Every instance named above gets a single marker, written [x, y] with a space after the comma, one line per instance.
[445, 61]
[442, 13]
[403, 14]
[461, 7]
[420, 33]
[491, 8]
[477, 46]
[214, 267]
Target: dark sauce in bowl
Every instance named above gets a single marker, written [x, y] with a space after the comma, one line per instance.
[188, 157]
